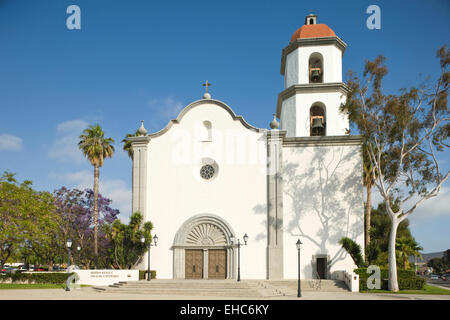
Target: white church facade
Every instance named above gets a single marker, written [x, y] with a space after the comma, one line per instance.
[209, 178]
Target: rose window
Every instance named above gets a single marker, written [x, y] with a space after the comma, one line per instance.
[207, 172]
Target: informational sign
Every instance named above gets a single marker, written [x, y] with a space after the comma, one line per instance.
[106, 277]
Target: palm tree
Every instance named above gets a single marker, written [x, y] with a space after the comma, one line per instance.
[127, 143]
[354, 250]
[96, 148]
[405, 248]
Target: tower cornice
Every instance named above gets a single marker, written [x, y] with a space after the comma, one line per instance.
[309, 88]
[139, 140]
[346, 140]
[308, 42]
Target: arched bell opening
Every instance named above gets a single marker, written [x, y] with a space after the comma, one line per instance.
[317, 120]
[316, 68]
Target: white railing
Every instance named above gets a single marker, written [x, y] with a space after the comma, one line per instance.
[350, 279]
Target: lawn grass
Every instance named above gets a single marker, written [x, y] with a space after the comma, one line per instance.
[34, 286]
[427, 289]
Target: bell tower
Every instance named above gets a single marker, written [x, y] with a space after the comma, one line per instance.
[313, 89]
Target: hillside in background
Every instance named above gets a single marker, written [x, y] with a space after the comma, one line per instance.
[427, 257]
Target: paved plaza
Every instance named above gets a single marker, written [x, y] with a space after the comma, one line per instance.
[208, 290]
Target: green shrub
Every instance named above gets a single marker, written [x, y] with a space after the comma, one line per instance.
[47, 277]
[385, 273]
[415, 283]
[143, 272]
[363, 284]
[407, 279]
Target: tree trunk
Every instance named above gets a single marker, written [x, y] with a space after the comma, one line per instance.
[4, 257]
[96, 178]
[393, 283]
[367, 220]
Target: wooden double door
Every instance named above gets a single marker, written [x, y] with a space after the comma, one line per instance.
[217, 264]
[194, 264]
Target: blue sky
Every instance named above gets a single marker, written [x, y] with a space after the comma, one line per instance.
[146, 60]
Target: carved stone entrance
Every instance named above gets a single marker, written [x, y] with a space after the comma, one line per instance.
[202, 249]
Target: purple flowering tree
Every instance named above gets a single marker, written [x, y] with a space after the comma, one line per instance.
[76, 208]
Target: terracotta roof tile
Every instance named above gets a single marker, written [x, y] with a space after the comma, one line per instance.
[313, 31]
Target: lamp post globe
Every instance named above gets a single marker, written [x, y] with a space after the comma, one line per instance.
[155, 239]
[299, 244]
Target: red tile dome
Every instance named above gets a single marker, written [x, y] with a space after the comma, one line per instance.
[313, 31]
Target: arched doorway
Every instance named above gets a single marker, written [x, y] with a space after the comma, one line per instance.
[202, 249]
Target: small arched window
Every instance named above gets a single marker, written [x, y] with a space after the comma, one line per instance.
[317, 120]
[207, 131]
[316, 68]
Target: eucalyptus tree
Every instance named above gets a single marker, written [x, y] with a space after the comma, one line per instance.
[368, 181]
[405, 132]
[96, 148]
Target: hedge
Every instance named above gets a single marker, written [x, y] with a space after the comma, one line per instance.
[143, 272]
[407, 279]
[401, 273]
[47, 277]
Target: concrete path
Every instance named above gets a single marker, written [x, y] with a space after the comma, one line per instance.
[89, 293]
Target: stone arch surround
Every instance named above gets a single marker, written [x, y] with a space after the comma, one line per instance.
[203, 231]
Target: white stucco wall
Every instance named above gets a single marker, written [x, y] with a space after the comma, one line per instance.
[291, 76]
[238, 193]
[323, 202]
[288, 118]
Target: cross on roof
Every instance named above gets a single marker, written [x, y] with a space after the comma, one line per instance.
[207, 84]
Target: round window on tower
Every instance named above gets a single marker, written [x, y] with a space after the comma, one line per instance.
[207, 171]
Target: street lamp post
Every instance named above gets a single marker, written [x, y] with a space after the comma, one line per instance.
[79, 255]
[155, 240]
[299, 245]
[69, 245]
[239, 253]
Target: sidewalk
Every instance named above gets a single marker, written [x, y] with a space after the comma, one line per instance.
[90, 294]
